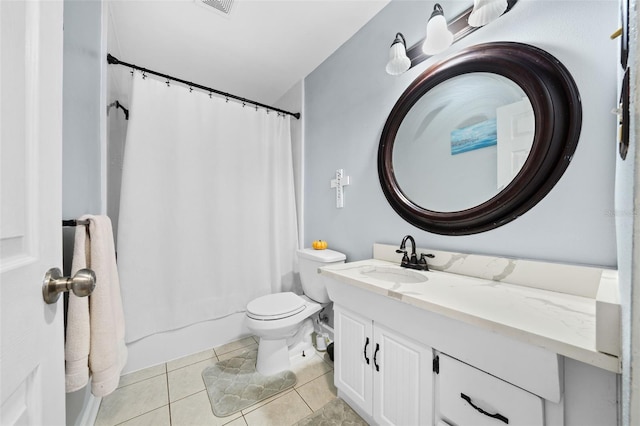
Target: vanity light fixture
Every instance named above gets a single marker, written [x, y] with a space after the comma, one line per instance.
[438, 36]
[399, 62]
[485, 11]
[444, 33]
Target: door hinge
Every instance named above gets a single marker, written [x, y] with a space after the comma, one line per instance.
[436, 365]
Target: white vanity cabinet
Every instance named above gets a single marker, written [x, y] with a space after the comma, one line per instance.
[525, 353]
[386, 375]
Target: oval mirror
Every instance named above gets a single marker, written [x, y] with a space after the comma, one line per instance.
[479, 138]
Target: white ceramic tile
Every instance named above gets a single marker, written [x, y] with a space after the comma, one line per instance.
[318, 392]
[232, 346]
[195, 410]
[309, 369]
[285, 410]
[238, 422]
[133, 400]
[140, 375]
[190, 359]
[231, 354]
[187, 380]
[327, 359]
[157, 417]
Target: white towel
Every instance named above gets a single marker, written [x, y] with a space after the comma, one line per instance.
[77, 337]
[95, 328]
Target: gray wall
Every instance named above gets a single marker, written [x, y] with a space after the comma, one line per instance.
[349, 96]
[81, 185]
[81, 145]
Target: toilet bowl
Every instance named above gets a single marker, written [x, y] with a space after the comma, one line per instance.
[283, 320]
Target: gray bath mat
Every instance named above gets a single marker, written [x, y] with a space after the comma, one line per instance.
[334, 413]
[234, 384]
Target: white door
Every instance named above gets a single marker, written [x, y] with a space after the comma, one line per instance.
[31, 346]
[354, 357]
[516, 126]
[402, 380]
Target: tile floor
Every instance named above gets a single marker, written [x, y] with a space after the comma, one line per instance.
[174, 393]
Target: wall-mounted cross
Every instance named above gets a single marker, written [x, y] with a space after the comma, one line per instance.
[339, 183]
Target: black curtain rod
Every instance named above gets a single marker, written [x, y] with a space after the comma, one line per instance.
[115, 61]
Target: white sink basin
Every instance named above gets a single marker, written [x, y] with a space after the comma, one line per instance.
[395, 275]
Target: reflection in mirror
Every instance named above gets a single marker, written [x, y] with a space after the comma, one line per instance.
[464, 141]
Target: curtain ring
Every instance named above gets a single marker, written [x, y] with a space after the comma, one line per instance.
[167, 82]
[190, 89]
[256, 107]
[144, 75]
[209, 95]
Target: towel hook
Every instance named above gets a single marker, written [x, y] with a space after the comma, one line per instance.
[82, 284]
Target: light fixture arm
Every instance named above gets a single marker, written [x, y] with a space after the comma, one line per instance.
[437, 10]
[399, 39]
[459, 26]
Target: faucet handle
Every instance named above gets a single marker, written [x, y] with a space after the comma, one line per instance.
[405, 258]
[423, 255]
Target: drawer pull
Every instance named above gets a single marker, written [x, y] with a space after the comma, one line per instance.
[375, 356]
[495, 416]
[365, 351]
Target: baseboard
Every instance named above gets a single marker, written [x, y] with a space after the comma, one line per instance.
[82, 407]
[90, 412]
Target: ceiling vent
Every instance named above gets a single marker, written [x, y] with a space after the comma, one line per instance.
[221, 6]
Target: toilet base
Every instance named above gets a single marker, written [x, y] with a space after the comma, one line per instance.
[274, 355]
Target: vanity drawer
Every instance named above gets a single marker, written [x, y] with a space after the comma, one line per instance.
[461, 387]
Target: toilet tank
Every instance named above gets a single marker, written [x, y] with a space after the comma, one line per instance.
[309, 260]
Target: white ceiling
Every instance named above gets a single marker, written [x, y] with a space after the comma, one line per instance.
[258, 51]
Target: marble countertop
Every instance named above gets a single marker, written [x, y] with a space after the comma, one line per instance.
[559, 322]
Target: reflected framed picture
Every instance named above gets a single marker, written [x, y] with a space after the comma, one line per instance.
[476, 136]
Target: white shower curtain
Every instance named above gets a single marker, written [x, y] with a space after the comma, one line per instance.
[207, 215]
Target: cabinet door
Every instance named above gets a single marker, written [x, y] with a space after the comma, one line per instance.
[354, 340]
[402, 380]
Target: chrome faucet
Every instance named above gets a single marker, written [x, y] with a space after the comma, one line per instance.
[413, 261]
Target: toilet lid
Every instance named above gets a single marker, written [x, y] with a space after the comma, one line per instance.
[275, 306]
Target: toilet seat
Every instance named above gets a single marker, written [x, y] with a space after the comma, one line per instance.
[275, 306]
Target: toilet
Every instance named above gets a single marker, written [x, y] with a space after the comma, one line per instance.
[283, 320]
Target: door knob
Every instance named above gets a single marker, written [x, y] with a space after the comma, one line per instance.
[82, 284]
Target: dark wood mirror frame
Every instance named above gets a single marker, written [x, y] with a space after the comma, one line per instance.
[557, 109]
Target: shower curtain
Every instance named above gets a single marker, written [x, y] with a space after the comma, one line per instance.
[207, 215]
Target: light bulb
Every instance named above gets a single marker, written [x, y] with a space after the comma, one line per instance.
[438, 35]
[485, 11]
[399, 62]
